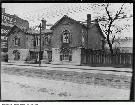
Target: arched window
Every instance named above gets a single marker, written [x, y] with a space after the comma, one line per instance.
[35, 41]
[46, 40]
[16, 55]
[66, 54]
[65, 36]
[16, 41]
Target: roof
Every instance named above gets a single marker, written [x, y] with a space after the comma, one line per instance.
[30, 31]
[65, 16]
[100, 31]
[78, 22]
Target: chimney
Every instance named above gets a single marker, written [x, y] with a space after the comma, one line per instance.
[43, 24]
[88, 20]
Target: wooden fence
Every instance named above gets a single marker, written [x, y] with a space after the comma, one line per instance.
[104, 58]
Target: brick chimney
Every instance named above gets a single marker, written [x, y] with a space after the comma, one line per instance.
[43, 24]
[88, 20]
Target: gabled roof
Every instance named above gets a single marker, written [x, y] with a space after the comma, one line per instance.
[100, 31]
[29, 31]
[12, 29]
[65, 16]
[84, 25]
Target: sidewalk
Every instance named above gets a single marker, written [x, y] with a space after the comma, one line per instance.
[88, 69]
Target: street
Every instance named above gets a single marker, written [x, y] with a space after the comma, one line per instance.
[35, 83]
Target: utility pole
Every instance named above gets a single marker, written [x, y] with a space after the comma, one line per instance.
[40, 27]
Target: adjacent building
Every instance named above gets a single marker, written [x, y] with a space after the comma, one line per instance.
[8, 21]
[125, 45]
[24, 44]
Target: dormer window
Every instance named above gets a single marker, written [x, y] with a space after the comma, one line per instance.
[16, 41]
[66, 36]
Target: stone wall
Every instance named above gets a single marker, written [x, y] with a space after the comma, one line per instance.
[45, 57]
[55, 56]
[11, 40]
[76, 57]
[94, 38]
[76, 32]
[24, 53]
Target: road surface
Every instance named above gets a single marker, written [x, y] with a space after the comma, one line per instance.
[23, 83]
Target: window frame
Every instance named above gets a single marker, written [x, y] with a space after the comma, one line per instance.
[46, 40]
[66, 33]
[66, 56]
[16, 41]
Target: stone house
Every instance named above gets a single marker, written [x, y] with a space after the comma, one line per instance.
[24, 44]
[71, 39]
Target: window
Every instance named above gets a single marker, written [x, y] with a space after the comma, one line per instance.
[35, 41]
[46, 40]
[66, 35]
[17, 41]
[65, 55]
[16, 55]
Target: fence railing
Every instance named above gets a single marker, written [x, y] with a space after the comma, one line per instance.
[103, 58]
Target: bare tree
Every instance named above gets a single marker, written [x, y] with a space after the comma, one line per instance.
[109, 21]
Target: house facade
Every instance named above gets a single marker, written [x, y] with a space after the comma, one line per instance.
[24, 45]
[7, 22]
[72, 38]
[66, 42]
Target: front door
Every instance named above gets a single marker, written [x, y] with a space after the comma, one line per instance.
[17, 55]
[33, 55]
[49, 56]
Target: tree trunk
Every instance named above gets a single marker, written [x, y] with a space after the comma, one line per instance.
[108, 38]
[111, 49]
[109, 43]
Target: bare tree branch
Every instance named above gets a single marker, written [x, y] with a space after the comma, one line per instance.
[108, 13]
[108, 22]
[118, 13]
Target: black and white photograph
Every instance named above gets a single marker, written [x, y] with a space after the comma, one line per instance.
[66, 51]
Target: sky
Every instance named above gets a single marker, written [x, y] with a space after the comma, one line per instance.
[52, 12]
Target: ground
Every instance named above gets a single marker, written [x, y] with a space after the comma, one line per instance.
[20, 82]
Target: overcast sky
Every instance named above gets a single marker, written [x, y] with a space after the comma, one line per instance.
[52, 12]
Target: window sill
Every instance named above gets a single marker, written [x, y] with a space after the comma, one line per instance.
[16, 45]
[66, 60]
